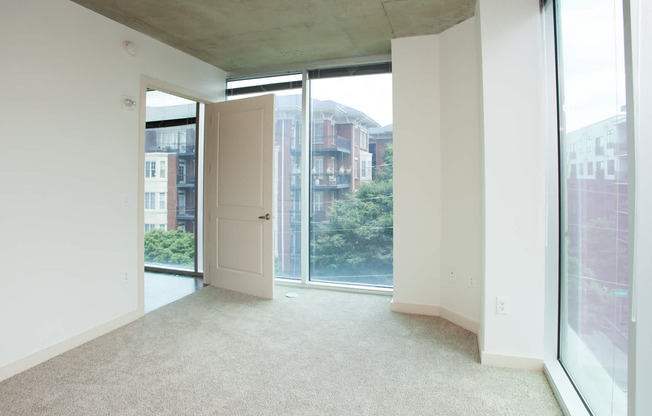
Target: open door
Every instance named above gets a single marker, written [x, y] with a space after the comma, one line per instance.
[239, 140]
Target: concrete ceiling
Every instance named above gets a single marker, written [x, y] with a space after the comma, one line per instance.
[239, 35]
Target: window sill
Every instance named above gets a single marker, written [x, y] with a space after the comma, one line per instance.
[569, 401]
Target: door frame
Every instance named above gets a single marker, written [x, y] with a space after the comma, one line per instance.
[163, 86]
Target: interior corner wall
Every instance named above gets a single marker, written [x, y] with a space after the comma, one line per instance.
[437, 182]
[69, 162]
[417, 173]
[514, 184]
[461, 243]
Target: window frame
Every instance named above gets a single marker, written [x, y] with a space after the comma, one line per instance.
[566, 393]
[306, 141]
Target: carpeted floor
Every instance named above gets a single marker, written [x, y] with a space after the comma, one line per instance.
[217, 352]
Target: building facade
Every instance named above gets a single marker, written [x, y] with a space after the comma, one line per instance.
[340, 161]
[170, 158]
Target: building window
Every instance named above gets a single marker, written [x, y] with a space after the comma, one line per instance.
[363, 139]
[365, 169]
[355, 168]
[182, 171]
[318, 164]
[318, 136]
[161, 172]
[318, 201]
[589, 168]
[610, 139]
[611, 167]
[182, 202]
[150, 169]
[150, 200]
[161, 200]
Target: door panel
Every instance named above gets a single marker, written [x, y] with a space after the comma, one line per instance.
[242, 144]
[241, 246]
[239, 173]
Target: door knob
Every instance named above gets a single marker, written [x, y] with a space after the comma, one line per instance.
[265, 217]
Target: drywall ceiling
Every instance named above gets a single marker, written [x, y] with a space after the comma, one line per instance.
[238, 35]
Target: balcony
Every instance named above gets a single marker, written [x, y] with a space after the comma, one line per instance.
[182, 150]
[186, 180]
[331, 181]
[185, 212]
[186, 150]
[332, 143]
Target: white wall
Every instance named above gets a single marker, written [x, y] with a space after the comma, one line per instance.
[437, 192]
[514, 191]
[70, 156]
[417, 172]
[461, 242]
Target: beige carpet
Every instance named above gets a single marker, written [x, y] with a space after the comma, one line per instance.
[216, 352]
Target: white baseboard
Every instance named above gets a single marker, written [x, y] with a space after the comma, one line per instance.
[511, 361]
[431, 310]
[66, 345]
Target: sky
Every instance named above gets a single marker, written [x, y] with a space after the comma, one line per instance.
[371, 94]
[162, 99]
[592, 50]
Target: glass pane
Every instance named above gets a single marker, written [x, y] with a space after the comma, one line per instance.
[287, 174]
[351, 199]
[170, 157]
[594, 209]
[287, 185]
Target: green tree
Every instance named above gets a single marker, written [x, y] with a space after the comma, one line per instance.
[357, 240]
[174, 247]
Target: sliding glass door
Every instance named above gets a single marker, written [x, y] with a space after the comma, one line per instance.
[594, 267]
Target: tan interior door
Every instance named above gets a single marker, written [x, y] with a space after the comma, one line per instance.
[239, 140]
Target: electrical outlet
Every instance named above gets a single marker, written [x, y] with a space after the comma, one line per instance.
[452, 275]
[502, 305]
[126, 276]
[471, 281]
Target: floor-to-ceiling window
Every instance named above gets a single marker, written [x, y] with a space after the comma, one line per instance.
[594, 211]
[333, 195]
[172, 225]
[351, 217]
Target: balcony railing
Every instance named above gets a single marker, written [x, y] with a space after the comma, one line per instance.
[180, 149]
[186, 179]
[331, 143]
[185, 212]
[331, 180]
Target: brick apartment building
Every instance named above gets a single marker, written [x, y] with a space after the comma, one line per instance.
[343, 155]
[170, 158]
